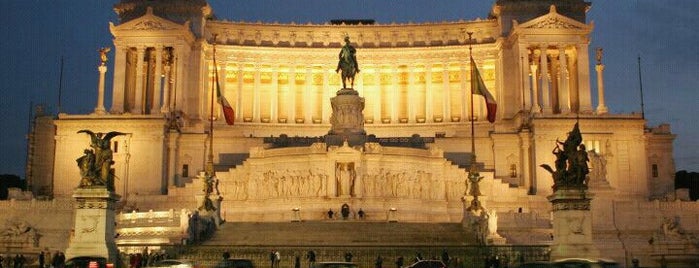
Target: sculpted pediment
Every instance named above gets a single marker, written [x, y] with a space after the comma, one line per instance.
[553, 20]
[149, 22]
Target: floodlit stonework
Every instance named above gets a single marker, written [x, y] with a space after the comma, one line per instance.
[414, 79]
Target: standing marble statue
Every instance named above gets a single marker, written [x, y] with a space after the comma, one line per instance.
[96, 163]
[347, 63]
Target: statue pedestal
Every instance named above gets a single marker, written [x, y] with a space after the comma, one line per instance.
[347, 119]
[94, 224]
[572, 225]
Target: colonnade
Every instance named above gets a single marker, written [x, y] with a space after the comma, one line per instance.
[556, 79]
[394, 94]
[147, 78]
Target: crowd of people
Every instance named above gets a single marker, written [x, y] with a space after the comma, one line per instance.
[43, 259]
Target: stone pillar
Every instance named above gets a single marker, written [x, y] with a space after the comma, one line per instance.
[308, 89]
[563, 88]
[180, 82]
[155, 106]
[584, 98]
[601, 107]
[239, 103]
[394, 94]
[291, 101]
[446, 95]
[274, 95]
[256, 95]
[411, 105]
[94, 224]
[572, 225]
[138, 105]
[526, 84]
[119, 80]
[99, 109]
[535, 89]
[167, 89]
[545, 94]
[429, 95]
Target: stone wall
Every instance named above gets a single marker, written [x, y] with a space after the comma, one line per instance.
[33, 225]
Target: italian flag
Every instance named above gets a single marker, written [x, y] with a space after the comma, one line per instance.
[478, 88]
[228, 111]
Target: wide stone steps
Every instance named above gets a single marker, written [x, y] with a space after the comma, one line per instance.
[338, 232]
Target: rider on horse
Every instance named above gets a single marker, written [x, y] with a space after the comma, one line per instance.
[348, 63]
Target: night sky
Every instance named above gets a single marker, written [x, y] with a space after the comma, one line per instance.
[37, 34]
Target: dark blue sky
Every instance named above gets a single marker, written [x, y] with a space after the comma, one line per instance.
[36, 34]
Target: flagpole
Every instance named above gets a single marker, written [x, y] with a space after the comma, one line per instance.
[640, 85]
[210, 160]
[473, 131]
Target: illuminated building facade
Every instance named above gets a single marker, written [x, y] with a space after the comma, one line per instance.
[415, 79]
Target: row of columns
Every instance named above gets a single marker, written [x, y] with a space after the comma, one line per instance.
[556, 82]
[388, 103]
[164, 83]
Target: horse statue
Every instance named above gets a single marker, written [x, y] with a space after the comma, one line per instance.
[348, 63]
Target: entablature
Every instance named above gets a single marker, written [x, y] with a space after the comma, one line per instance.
[370, 36]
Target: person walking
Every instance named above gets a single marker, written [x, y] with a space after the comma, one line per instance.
[272, 258]
[310, 256]
[42, 259]
[277, 258]
[379, 262]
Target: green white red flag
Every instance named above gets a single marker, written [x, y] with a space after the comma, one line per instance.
[228, 112]
[478, 88]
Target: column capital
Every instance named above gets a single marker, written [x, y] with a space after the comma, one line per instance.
[599, 67]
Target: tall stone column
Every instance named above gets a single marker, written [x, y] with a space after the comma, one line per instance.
[394, 94]
[138, 105]
[119, 79]
[584, 96]
[411, 105]
[167, 88]
[256, 95]
[545, 89]
[180, 82]
[563, 88]
[239, 104]
[94, 224]
[447, 95]
[158, 80]
[429, 94]
[99, 109]
[536, 108]
[308, 89]
[601, 107]
[274, 94]
[526, 84]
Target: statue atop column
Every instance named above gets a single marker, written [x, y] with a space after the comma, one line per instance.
[571, 162]
[347, 63]
[103, 55]
[96, 163]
